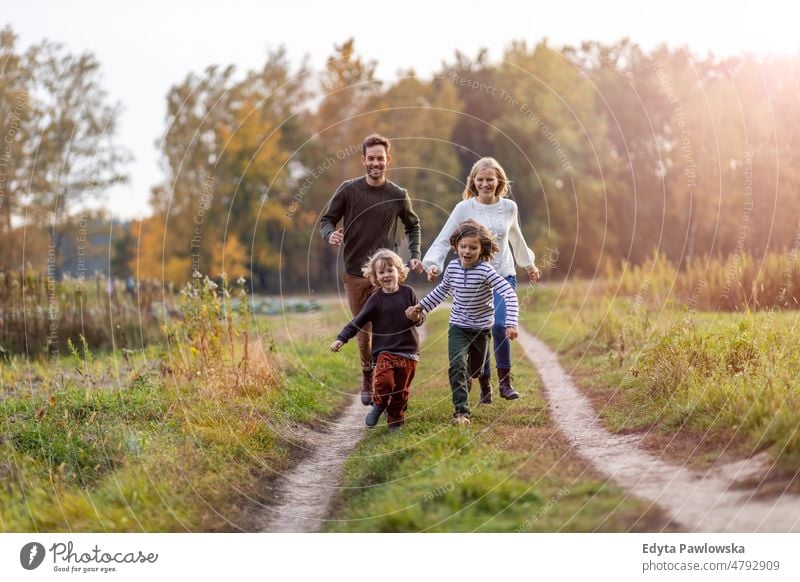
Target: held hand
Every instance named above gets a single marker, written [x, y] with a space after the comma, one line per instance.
[414, 312]
[433, 272]
[511, 333]
[336, 346]
[534, 274]
[416, 265]
[417, 315]
[337, 237]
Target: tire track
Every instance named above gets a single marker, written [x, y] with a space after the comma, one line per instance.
[701, 502]
[305, 493]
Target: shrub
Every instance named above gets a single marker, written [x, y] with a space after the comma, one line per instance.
[40, 315]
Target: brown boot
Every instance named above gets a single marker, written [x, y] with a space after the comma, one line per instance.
[486, 389]
[506, 389]
[366, 387]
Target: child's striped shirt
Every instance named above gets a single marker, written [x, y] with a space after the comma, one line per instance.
[471, 288]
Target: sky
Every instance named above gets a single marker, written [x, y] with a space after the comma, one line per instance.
[145, 47]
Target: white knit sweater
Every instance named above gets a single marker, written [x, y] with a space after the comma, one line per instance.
[501, 219]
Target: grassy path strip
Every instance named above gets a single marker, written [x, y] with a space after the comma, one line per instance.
[701, 388]
[701, 502]
[510, 471]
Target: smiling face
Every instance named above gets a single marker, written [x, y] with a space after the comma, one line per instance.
[388, 276]
[469, 251]
[376, 160]
[486, 183]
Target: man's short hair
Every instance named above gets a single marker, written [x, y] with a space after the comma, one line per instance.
[372, 140]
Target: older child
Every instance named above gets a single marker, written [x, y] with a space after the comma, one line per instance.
[395, 342]
[484, 201]
[470, 279]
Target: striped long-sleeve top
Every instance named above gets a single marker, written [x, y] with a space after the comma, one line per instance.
[471, 289]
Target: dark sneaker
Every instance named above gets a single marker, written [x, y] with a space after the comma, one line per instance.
[374, 415]
[366, 388]
[460, 420]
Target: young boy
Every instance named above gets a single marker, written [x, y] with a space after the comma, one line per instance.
[395, 342]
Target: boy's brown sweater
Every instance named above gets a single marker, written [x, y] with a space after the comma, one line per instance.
[392, 331]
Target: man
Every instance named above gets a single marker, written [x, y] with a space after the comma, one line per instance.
[369, 207]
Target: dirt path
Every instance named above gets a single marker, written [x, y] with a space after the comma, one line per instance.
[304, 494]
[713, 501]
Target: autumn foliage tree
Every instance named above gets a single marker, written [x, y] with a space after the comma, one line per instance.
[58, 149]
[227, 153]
[613, 153]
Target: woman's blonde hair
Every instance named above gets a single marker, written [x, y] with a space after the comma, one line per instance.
[370, 268]
[502, 180]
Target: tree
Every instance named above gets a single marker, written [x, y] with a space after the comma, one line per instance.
[631, 95]
[57, 150]
[75, 157]
[479, 109]
[342, 120]
[15, 141]
[421, 116]
[227, 153]
[548, 138]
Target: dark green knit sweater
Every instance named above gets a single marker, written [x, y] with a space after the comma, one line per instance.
[370, 216]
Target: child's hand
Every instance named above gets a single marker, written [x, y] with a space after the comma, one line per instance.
[534, 274]
[414, 312]
[511, 333]
[433, 272]
[336, 346]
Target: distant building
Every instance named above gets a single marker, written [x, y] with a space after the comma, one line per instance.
[86, 247]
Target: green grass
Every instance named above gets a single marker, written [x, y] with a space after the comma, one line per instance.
[725, 380]
[154, 452]
[509, 471]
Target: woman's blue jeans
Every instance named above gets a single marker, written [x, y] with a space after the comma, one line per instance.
[502, 347]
